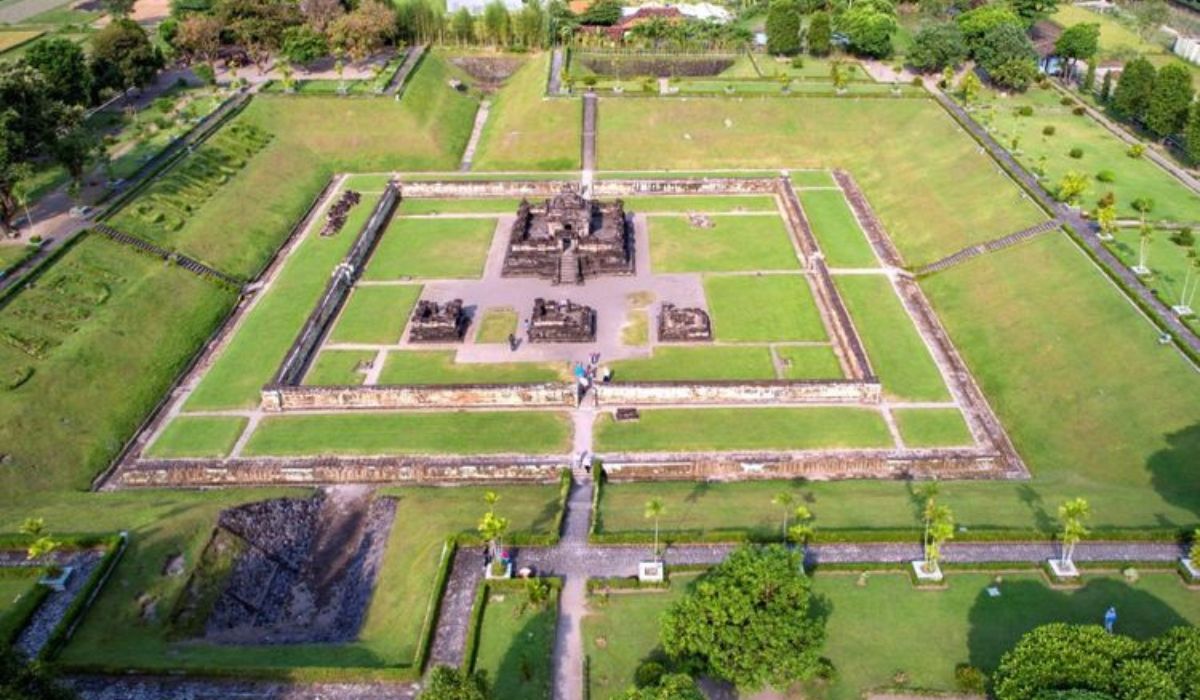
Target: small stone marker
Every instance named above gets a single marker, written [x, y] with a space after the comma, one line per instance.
[650, 572]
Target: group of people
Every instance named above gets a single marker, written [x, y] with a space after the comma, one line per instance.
[587, 374]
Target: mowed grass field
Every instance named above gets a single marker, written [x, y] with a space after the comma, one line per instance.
[731, 244]
[871, 638]
[198, 436]
[669, 363]
[527, 131]
[439, 367]
[762, 308]
[1134, 178]
[375, 314]
[516, 641]
[928, 181]
[114, 634]
[431, 249]
[836, 230]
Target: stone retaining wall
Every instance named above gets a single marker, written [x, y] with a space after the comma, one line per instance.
[713, 186]
[453, 396]
[334, 470]
[484, 188]
[729, 393]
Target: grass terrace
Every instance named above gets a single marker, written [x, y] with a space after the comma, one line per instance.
[440, 367]
[516, 641]
[680, 204]
[495, 205]
[431, 249]
[697, 363]
[732, 429]
[198, 436]
[375, 314]
[836, 229]
[340, 367]
[932, 427]
[526, 131]
[732, 244]
[402, 433]
[115, 635]
[762, 308]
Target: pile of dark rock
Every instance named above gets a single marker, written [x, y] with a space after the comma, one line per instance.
[336, 218]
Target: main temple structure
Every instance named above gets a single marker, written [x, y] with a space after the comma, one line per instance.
[567, 239]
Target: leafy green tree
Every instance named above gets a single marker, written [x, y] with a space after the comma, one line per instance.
[1106, 218]
[64, 68]
[530, 25]
[29, 123]
[785, 500]
[672, 686]
[1177, 653]
[969, 86]
[1077, 42]
[75, 146]
[497, 25]
[1032, 10]
[462, 26]
[604, 13]
[1007, 55]
[303, 44]
[748, 621]
[123, 57]
[1191, 134]
[449, 683]
[1073, 516]
[977, 22]
[1015, 73]
[654, 510]
[118, 8]
[365, 30]
[1089, 78]
[1131, 97]
[1061, 657]
[869, 26]
[199, 38]
[803, 531]
[937, 47]
[420, 20]
[258, 25]
[783, 28]
[820, 34]
[1106, 86]
[1167, 109]
[938, 530]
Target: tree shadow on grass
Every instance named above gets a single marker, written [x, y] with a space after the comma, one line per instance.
[1173, 471]
[1036, 505]
[526, 670]
[996, 624]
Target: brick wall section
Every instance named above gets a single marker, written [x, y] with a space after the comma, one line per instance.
[701, 186]
[299, 398]
[752, 393]
[304, 348]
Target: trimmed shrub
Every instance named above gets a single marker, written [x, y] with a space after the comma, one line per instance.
[1136, 150]
[1048, 130]
[1066, 102]
[1076, 152]
[1025, 111]
[969, 679]
[1106, 176]
[1079, 111]
[649, 673]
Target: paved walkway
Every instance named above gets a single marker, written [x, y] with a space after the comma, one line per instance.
[481, 117]
[554, 87]
[590, 108]
[1164, 315]
[401, 77]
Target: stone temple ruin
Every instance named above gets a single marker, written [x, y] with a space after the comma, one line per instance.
[568, 238]
[680, 325]
[288, 570]
[561, 322]
[438, 323]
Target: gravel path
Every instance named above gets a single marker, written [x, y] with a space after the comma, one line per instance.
[45, 620]
[154, 688]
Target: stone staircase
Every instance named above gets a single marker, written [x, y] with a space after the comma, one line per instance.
[988, 247]
[568, 268]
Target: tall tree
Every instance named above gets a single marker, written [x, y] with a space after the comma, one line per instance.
[497, 25]
[604, 13]
[199, 38]
[1077, 42]
[977, 22]
[462, 26]
[321, 13]
[654, 511]
[365, 30]
[1191, 134]
[29, 120]
[783, 28]
[1072, 515]
[869, 26]
[1167, 109]
[1032, 10]
[1131, 97]
[75, 146]
[748, 621]
[63, 66]
[1007, 55]
[123, 57]
[1106, 86]
[820, 34]
[938, 46]
[530, 25]
[258, 25]
[304, 44]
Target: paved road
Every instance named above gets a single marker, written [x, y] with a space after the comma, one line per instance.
[1076, 221]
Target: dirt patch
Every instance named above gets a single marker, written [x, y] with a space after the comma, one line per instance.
[489, 70]
[289, 570]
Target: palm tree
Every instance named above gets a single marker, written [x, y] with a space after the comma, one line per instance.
[928, 493]
[654, 509]
[491, 498]
[1185, 296]
[493, 528]
[939, 529]
[1106, 217]
[1073, 515]
[784, 499]
[1146, 236]
[803, 531]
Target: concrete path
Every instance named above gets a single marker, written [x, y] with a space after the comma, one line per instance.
[1161, 312]
[481, 117]
[401, 77]
[590, 109]
[554, 85]
[168, 688]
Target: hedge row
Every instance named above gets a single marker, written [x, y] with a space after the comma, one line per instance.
[734, 535]
[17, 617]
[115, 545]
[449, 549]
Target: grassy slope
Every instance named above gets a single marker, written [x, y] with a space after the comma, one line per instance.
[526, 131]
[67, 422]
[915, 165]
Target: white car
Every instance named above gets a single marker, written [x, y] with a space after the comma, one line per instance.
[81, 212]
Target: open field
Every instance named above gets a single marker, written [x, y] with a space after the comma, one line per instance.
[494, 205]
[515, 644]
[439, 367]
[526, 131]
[678, 204]
[537, 432]
[732, 244]
[808, 362]
[339, 367]
[496, 325]
[727, 429]
[914, 163]
[198, 436]
[870, 634]
[375, 314]
[933, 427]
[87, 353]
[115, 635]
[837, 231]
[753, 308]
[431, 249]
[1103, 152]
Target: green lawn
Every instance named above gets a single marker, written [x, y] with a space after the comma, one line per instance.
[914, 163]
[677, 204]
[86, 353]
[894, 346]
[932, 427]
[727, 429]
[732, 244]
[871, 636]
[526, 131]
[1102, 151]
[496, 325]
[400, 433]
[671, 363]
[752, 308]
[515, 644]
[375, 314]
[494, 205]
[439, 367]
[198, 436]
[808, 362]
[1169, 264]
[339, 367]
[431, 249]
[842, 241]
[254, 353]
[114, 634]
[622, 631]
[811, 178]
